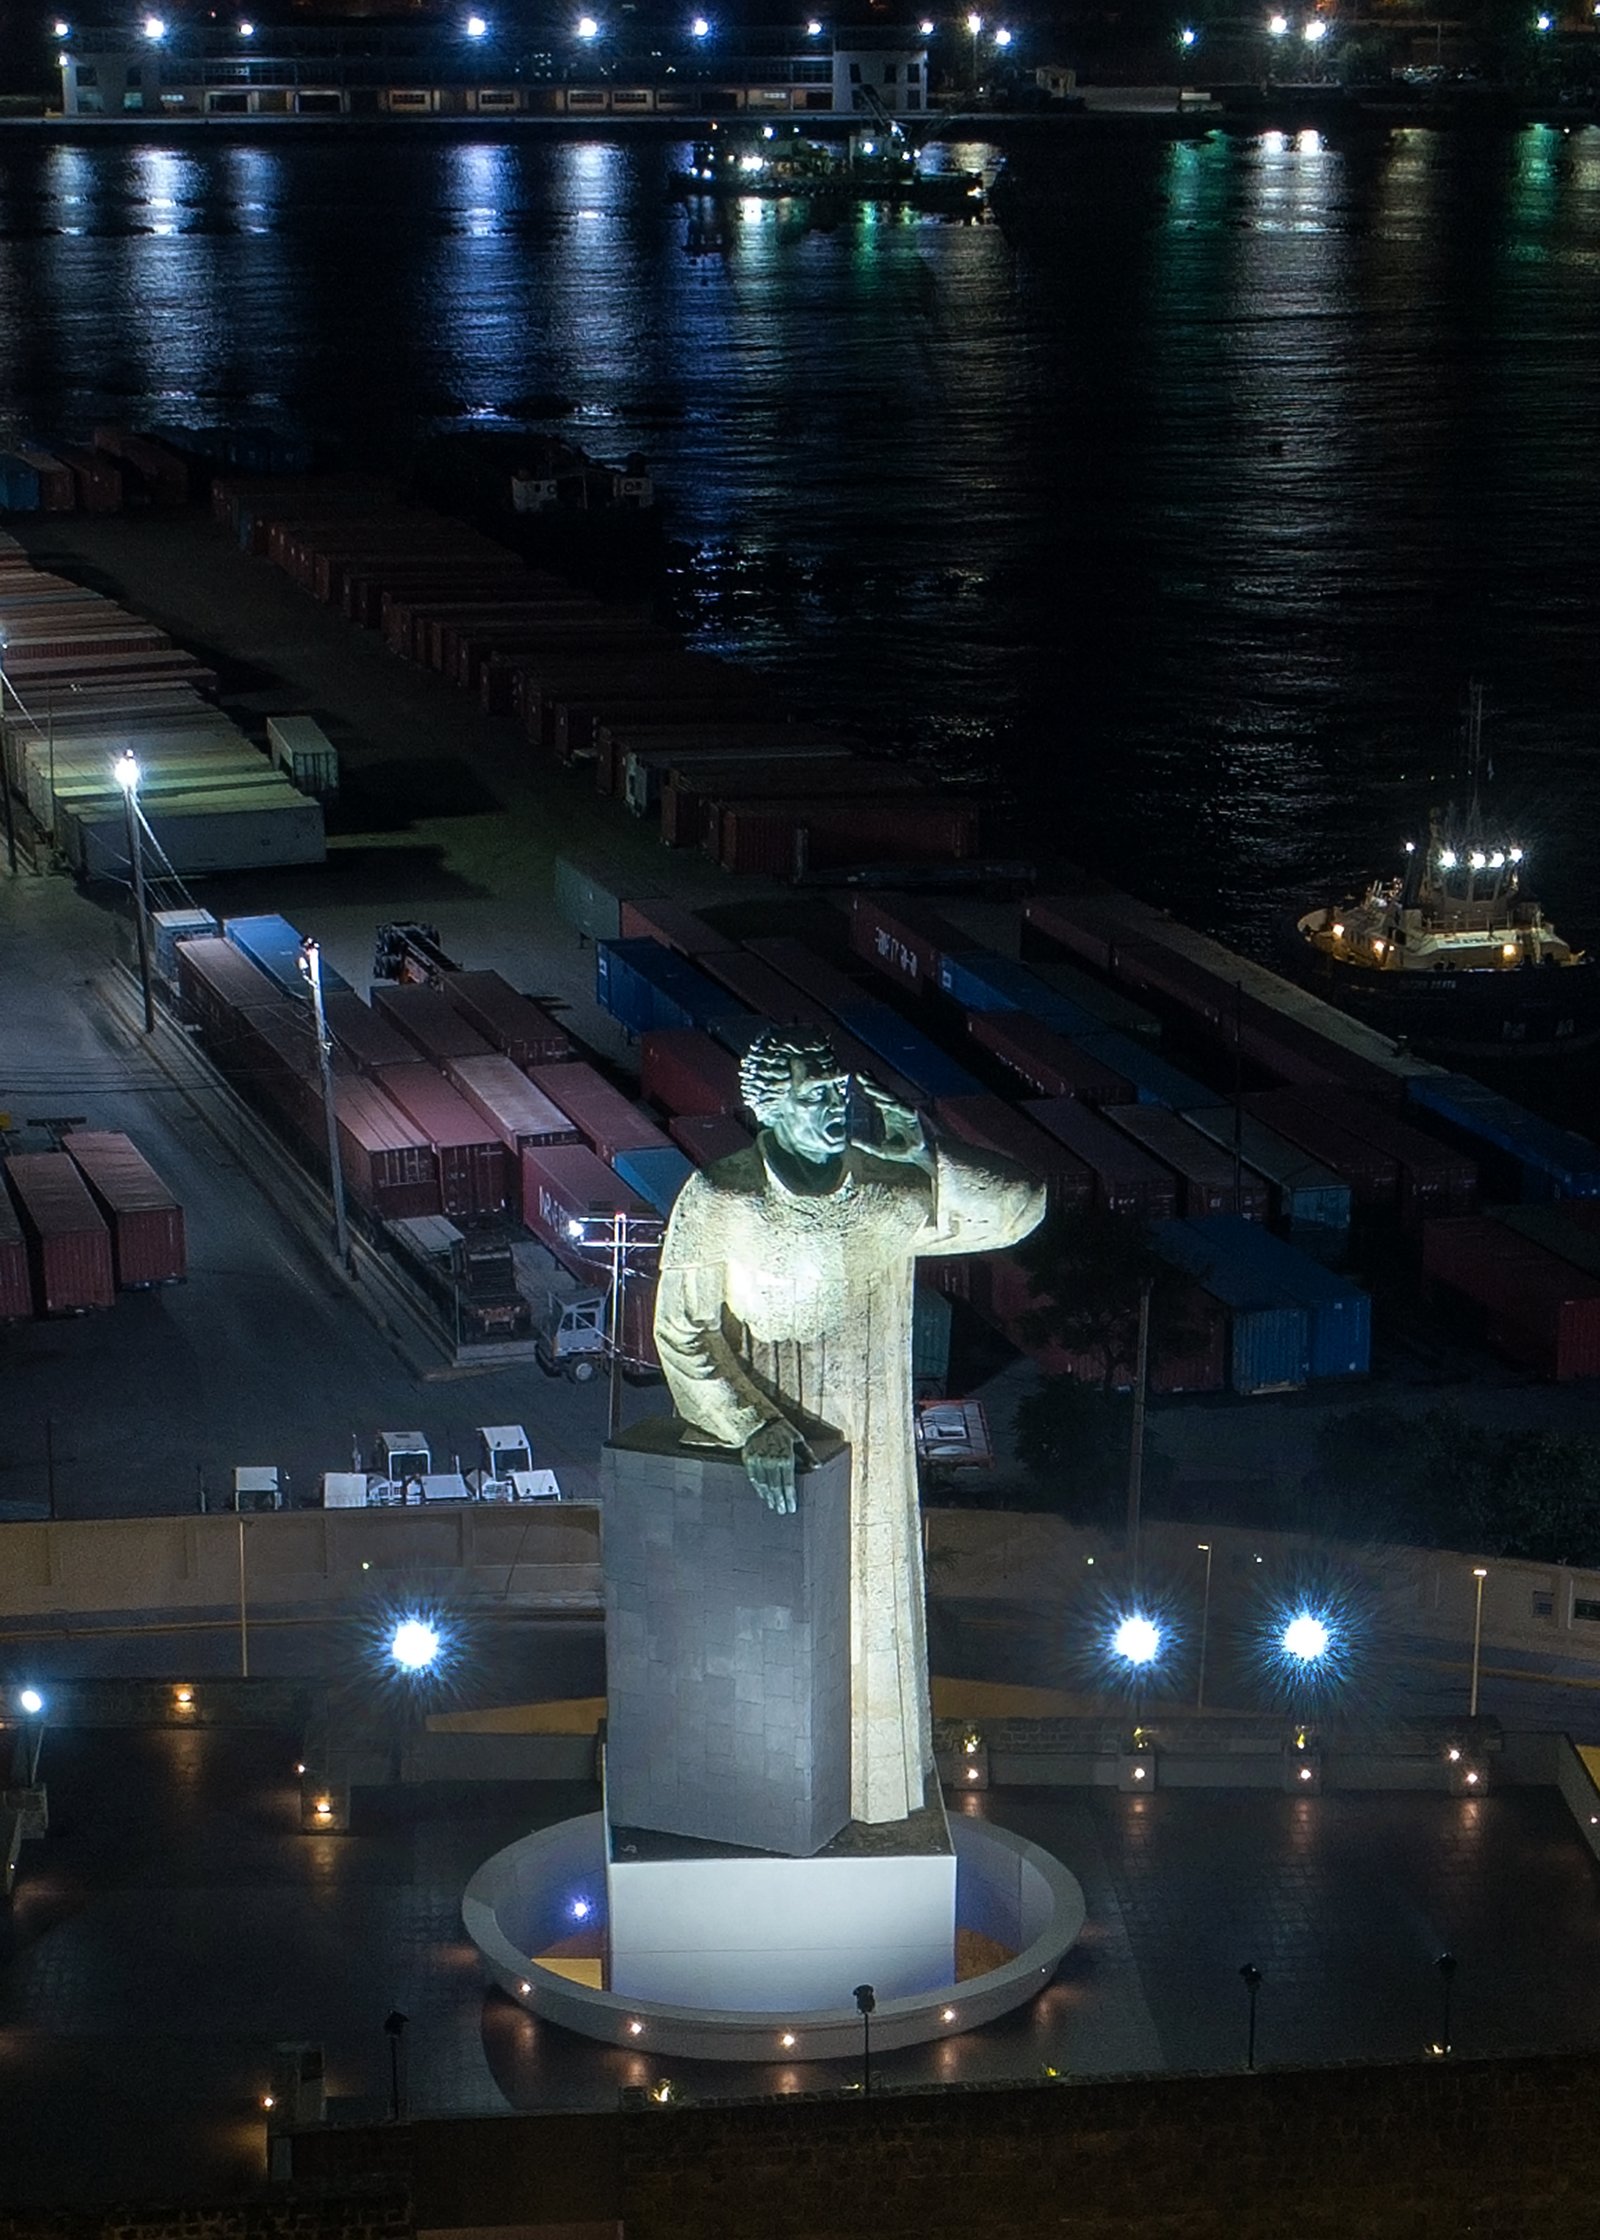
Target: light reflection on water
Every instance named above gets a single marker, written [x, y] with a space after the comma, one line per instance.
[1189, 504]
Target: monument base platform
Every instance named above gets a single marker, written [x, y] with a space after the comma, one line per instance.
[538, 1914]
[874, 1906]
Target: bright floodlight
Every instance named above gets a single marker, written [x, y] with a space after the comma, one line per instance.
[587, 28]
[1187, 36]
[1305, 1638]
[63, 30]
[1546, 23]
[1137, 1641]
[974, 25]
[413, 1644]
[1315, 32]
[477, 28]
[126, 772]
[699, 29]
[155, 27]
[1002, 38]
[1277, 25]
[31, 1701]
[926, 27]
[247, 30]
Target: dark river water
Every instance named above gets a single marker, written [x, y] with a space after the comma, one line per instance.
[1183, 508]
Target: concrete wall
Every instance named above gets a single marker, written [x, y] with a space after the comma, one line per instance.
[535, 1558]
[1427, 2150]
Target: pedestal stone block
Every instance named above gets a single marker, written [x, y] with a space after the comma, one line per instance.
[727, 1647]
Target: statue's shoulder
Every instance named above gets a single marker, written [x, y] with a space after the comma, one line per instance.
[742, 1174]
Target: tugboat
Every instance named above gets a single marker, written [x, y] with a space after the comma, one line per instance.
[1452, 955]
[777, 162]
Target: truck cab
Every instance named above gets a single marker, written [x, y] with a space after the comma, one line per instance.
[505, 1471]
[572, 1339]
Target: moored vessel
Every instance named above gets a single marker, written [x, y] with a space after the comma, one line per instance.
[776, 162]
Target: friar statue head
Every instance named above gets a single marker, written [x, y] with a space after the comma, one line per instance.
[796, 1089]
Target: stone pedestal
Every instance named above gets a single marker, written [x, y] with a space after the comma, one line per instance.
[727, 1647]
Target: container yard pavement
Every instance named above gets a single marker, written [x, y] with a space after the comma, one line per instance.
[261, 1357]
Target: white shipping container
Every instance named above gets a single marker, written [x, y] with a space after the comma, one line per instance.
[301, 747]
[202, 832]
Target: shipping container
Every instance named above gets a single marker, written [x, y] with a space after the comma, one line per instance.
[517, 1111]
[146, 1221]
[1154, 1080]
[215, 982]
[19, 485]
[1127, 1179]
[668, 730]
[788, 839]
[304, 752]
[995, 1126]
[1373, 1175]
[509, 1021]
[1435, 1179]
[646, 986]
[69, 1244]
[58, 493]
[693, 688]
[1545, 1161]
[473, 1175]
[683, 1070]
[1269, 1340]
[693, 788]
[1554, 1229]
[761, 990]
[202, 832]
[1531, 1305]
[168, 928]
[16, 1287]
[1309, 1200]
[389, 1165]
[978, 980]
[709, 1136]
[563, 1184]
[720, 759]
[365, 1035]
[651, 919]
[1338, 1312]
[657, 1175]
[589, 895]
[1047, 1062]
[429, 1021]
[812, 974]
[274, 945]
[901, 939]
[1210, 1179]
[602, 1115]
[911, 1053]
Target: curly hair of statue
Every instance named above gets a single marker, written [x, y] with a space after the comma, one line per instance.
[766, 1071]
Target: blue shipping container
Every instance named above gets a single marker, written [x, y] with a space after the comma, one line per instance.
[654, 1172]
[19, 485]
[1310, 1199]
[1339, 1313]
[1552, 1162]
[1155, 1080]
[907, 1050]
[645, 985]
[273, 944]
[1268, 1332]
[980, 981]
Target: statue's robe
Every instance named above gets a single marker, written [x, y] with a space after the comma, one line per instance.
[773, 1303]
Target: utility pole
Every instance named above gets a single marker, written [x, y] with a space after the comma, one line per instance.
[127, 776]
[1141, 1379]
[311, 966]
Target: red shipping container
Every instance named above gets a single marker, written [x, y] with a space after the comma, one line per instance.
[902, 941]
[69, 1245]
[562, 1184]
[995, 1126]
[812, 974]
[147, 1234]
[58, 492]
[364, 1035]
[1538, 1309]
[216, 982]
[473, 1182]
[707, 1137]
[1373, 1175]
[517, 1111]
[785, 839]
[388, 1163]
[674, 927]
[507, 1020]
[1435, 1178]
[603, 1116]
[1212, 1180]
[429, 1021]
[762, 989]
[682, 1070]
[16, 1291]
[1126, 1179]
[1045, 1060]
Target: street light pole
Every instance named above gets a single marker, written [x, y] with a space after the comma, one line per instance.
[311, 966]
[244, 1615]
[5, 769]
[127, 776]
[1479, 1573]
[1141, 1379]
[1251, 1977]
[618, 1278]
[1204, 1547]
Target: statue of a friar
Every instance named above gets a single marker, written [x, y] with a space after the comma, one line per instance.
[785, 1306]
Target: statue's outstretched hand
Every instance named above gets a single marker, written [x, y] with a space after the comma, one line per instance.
[903, 1137]
[771, 1457]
